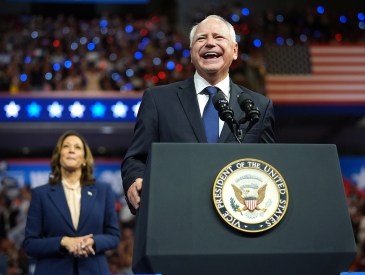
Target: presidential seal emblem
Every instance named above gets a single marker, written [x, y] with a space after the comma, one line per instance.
[250, 195]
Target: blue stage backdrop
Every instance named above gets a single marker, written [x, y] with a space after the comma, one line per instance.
[114, 107]
[69, 107]
[353, 173]
[34, 172]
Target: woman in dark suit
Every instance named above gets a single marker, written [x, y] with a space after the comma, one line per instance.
[72, 220]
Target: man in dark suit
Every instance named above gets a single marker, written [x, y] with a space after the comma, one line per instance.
[173, 112]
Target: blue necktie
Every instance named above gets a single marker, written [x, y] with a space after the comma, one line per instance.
[210, 117]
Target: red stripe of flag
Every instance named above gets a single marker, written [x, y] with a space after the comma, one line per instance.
[338, 76]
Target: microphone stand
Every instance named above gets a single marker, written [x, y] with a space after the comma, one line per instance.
[252, 116]
[237, 132]
[242, 133]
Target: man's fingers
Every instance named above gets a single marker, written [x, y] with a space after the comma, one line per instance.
[134, 193]
[138, 184]
[136, 199]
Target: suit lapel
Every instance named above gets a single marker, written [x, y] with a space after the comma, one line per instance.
[88, 196]
[233, 103]
[57, 196]
[189, 101]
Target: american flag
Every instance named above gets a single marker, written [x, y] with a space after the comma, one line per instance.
[316, 74]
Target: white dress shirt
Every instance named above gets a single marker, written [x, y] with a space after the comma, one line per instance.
[200, 84]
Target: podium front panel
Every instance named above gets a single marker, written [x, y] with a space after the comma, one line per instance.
[179, 231]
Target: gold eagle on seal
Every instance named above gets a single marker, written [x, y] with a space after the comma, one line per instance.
[250, 198]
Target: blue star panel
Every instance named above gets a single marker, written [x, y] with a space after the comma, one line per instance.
[22, 109]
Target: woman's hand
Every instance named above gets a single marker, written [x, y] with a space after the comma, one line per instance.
[79, 246]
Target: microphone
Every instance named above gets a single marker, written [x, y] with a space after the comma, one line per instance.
[222, 106]
[247, 105]
[225, 113]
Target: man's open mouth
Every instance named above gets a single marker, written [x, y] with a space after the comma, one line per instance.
[211, 55]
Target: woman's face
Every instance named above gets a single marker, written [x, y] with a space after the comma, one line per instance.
[72, 154]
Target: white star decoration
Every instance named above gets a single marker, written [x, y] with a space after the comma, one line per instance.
[360, 178]
[135, 108]
[12, 109]
[119, 109]
[76, 110]
[55, 109]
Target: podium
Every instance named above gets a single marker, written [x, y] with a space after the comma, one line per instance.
[179, 232]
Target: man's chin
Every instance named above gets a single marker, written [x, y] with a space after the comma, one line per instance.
[211, 68]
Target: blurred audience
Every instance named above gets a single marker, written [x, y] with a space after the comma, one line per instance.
[14, 202]
[124, 54]
[121, 53]
[356, 203]
[39, 53]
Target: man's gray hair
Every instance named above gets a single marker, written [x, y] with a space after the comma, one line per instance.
[232, 32]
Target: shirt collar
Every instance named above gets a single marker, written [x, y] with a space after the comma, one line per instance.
[71, 186]
[200, 84]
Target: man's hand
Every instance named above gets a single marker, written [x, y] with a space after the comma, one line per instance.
[134, 193]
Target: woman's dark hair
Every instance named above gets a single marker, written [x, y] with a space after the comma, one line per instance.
[87, 177]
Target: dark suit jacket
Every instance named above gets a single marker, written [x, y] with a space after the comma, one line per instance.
[49, 219]
[170, 113]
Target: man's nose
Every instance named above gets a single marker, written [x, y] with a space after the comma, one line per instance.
[210, 41]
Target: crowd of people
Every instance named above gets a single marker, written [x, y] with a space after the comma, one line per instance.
[122, 53]
[39, 53]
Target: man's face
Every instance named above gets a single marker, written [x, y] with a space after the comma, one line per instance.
[213, 50]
